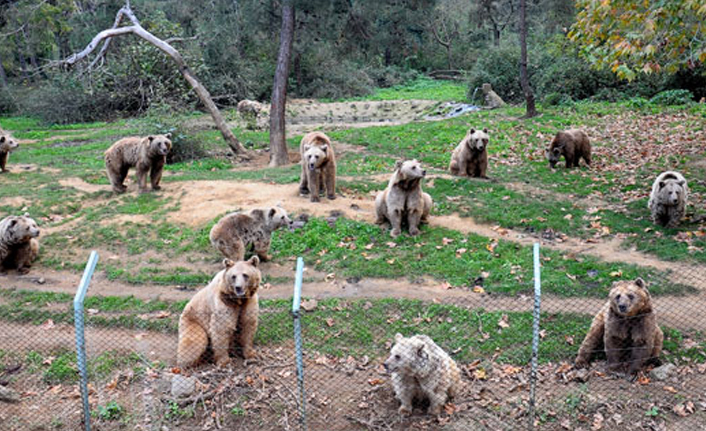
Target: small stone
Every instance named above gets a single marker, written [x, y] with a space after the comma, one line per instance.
[663, 372]
[8, 395]
[183, 386]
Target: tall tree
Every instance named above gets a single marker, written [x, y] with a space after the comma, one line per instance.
[531, 110]
[636, 36]
[278, 142]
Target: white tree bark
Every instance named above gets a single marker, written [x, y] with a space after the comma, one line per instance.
[165, 47]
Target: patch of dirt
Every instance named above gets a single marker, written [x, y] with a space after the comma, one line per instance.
[83, 186]
[32, 168]
[16, 201]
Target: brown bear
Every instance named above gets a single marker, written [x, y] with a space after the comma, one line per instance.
[403, 200]
[18, 243]
[470, 157]
[236, 231]
[7, 145]
[668, 199]
[228, 305]
[146, 155]
[625, 328]
[318, 166]
[420, 370]
[573, 144]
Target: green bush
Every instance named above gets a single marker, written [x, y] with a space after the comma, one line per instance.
[185, 147]
[673, 97]
[499, 67]
[7, 102]
[555, 99]
[65, 100]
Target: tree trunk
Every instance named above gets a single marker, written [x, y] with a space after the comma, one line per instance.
[165, 47]
[3, 75]
[496, 36]
[524, 78]
[278, 142]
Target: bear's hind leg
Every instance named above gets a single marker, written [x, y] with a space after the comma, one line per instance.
[193, 341]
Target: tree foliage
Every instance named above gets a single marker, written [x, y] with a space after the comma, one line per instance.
[639, 36]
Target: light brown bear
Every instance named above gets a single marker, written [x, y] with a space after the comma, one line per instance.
[7, 145]
[573, 144]
[318, 166]
[146, 155]
[237, 231]
[625, 328]
[403, 200]
[422, 370]
[228, 305]
[18, 243]
[668, 199]
[470, 157]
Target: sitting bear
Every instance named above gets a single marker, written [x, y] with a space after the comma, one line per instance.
[470, 157]
[625, 328]
[318, 166]
[236, 231]
[7, 145]
[147, 155]
[422, 370]
[18, 243]
[668, 199]
[228, 305]
[573, 145]
[403, 200]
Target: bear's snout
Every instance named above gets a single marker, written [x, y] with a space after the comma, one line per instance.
[424, 173]
[623, 308]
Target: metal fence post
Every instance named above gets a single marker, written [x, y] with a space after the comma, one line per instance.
[535, 334]
[296, 302]
[80, 336]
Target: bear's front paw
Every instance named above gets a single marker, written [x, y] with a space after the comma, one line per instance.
[413, 231]
[23, 270]
[264, 257]
[249, 353]
[406, 411]
[331, 197]
[314, 198]
[580, 363]
[435, 410]
[303, 191]
[223, 362]
[395, 233]
[156, 188]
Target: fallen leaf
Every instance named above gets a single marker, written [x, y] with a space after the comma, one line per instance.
[670, 389]
[330, 322]
[480, 374]
[445, 285]
[616, 273]
[309, 304]
[446, 241]
[478, 289]
[503, 322]
[375, 382]
[49, 324]
[569, 340]
[597, 421]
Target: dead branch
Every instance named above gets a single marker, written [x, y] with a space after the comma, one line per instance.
[165, 47]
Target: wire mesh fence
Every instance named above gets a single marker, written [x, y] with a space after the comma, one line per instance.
[361, 362]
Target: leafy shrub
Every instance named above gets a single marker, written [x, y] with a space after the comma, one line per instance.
[499, 67]
[673, 97]
[110, 412]
[554, 99]
[637, 102]
[7, 102]
[609, 94]
[185, 147]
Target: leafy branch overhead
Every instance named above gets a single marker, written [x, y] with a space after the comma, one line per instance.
[632, 37]
[135, 28]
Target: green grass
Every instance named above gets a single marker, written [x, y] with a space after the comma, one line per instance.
[420, 89]
[346, 248]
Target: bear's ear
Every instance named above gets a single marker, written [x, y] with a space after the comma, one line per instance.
[324, 148]
[227, 263]
[485, 131]
[421, 351]
[168, 135]
[472, 131]
[556, 150]
[639, 282]
[398, 164]
[2, 139]
[306, 147]
[681, 183]
[662, 184]
[254, 261]
[13, 222]
[398, 337]
[150, 138]
[272, 212]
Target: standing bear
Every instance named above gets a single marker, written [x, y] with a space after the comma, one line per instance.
[470, 157]
[146, 155]
[668, 199]
[403, 201]
[18, 243]
[7, 145]
[422, 370]
[228, 305]
[237, 231]
[573, 144]
[625, 328]
[318, 166]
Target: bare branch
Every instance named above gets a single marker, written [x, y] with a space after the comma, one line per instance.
[181, 39]
[106, 44]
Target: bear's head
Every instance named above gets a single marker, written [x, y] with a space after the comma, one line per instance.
[277, 218]
[409, 170]
[477, 140]
[408, 355]
[241, 279]
[7, 143]
[671, 191]
[315, 156]
[18, 229]
[556, 148]
[160, 145]
[629, 298]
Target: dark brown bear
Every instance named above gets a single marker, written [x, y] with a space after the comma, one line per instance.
[573, 145]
